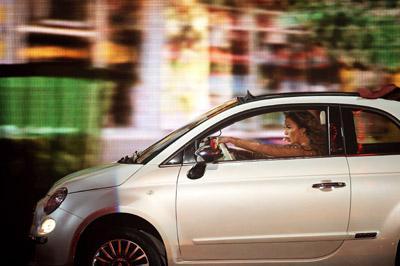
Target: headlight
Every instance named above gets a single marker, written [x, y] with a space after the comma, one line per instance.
[55, 200]
[47, 226]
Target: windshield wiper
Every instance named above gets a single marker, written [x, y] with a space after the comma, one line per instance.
[129, 160]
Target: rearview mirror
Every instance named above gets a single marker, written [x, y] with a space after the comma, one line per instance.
[208, 154]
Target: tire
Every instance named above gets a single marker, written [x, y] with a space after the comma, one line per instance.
[120, 246]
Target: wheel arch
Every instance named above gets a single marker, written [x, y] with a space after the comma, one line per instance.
[118, 219]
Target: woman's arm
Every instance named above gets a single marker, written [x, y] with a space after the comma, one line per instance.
[274, 150]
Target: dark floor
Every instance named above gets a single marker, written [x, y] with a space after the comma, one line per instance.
[21, 248]
[24, 181]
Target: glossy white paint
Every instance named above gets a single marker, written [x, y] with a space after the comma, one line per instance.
[269, 205]
[109, 175]
[255, 212]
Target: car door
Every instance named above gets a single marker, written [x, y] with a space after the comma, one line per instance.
[373, 147]
[268, 208]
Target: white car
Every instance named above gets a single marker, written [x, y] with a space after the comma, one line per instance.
[183, 202]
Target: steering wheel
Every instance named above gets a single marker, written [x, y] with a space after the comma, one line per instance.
[228, 156]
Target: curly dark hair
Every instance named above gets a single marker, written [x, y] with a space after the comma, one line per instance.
[315, 132]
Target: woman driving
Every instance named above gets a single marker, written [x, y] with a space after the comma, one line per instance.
[304, 134]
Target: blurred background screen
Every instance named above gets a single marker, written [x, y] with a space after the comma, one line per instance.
[84, 82]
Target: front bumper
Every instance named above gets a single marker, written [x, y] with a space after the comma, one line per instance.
[55, 248]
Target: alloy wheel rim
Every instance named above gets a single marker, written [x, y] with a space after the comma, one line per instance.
[120, 252]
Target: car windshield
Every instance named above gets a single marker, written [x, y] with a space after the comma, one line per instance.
[160, 145]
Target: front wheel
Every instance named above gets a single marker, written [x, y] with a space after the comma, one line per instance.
[122, 247]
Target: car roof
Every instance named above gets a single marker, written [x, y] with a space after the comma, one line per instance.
[392, 94]
[250, 98]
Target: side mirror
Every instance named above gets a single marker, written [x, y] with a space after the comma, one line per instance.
[208, 155]
[197, 170]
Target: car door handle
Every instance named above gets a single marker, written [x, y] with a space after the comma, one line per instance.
[326, 185]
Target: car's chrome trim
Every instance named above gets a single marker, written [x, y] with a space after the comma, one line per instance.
[337, 236]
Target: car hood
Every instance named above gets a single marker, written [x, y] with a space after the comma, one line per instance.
[103, 176]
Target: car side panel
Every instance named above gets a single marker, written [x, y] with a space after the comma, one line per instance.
[375, 203]
[150, 194]
[263, 210]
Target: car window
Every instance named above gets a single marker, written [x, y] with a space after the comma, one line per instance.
[299, 132]
[374, 133]
[160, 145]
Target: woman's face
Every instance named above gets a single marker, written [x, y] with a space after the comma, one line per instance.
[293, 133]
